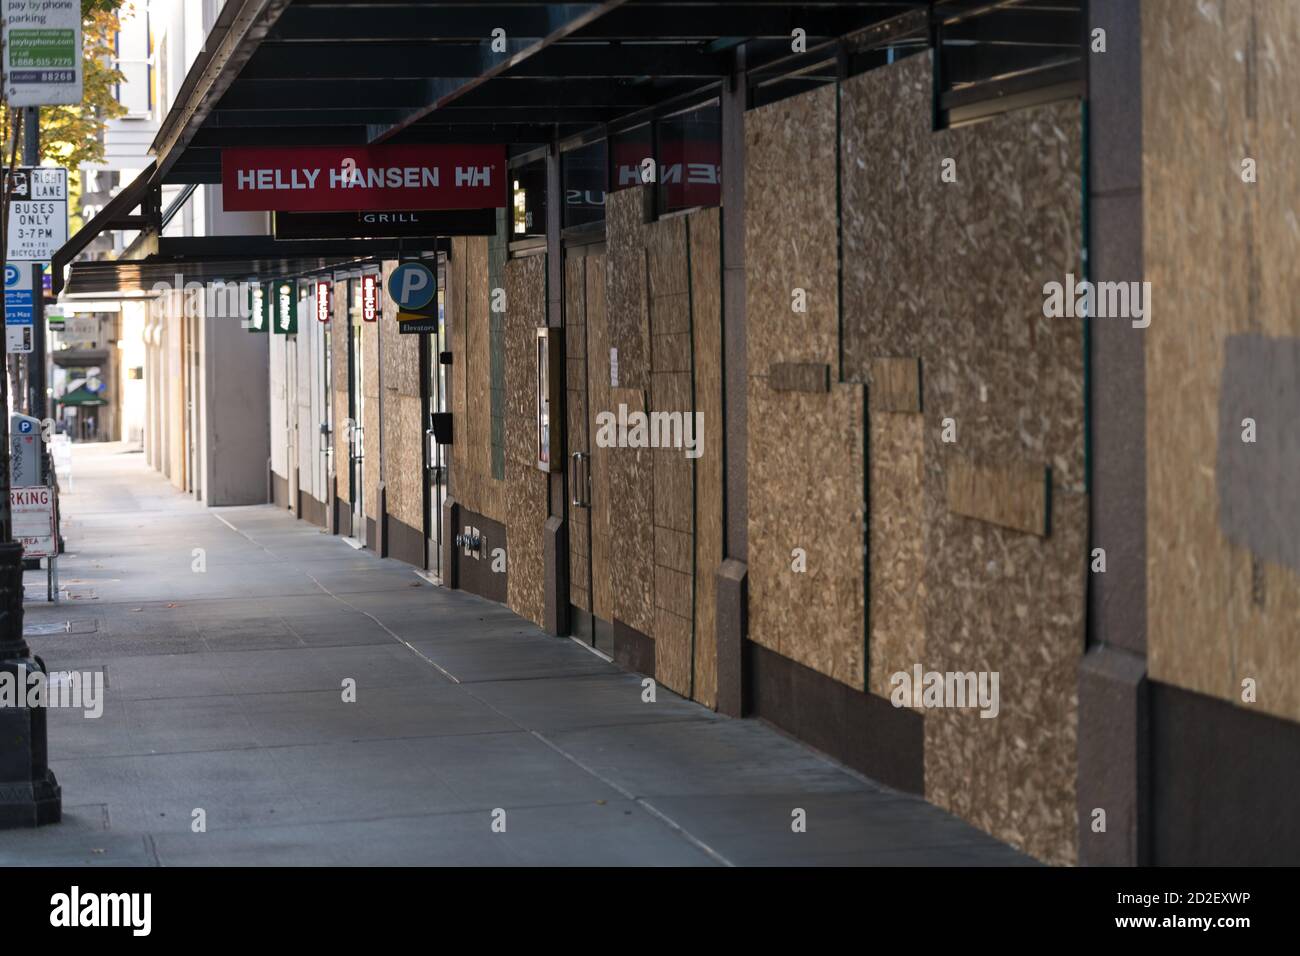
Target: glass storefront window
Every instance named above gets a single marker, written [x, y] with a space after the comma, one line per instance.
[582, 173]
[690, 159]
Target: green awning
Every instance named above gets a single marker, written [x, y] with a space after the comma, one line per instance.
[81, 396]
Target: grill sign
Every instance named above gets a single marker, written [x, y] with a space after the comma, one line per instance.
[356, 178]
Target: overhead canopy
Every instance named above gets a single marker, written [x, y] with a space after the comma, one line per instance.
[338, 72]
[81, 395]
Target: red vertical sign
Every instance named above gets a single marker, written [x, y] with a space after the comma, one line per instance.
[324, 301]
[369, 297]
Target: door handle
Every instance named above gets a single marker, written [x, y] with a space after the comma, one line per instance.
[580, 479]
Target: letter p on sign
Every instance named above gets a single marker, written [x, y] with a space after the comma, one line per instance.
[412, 286]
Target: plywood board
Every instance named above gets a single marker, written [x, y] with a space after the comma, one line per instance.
[598, 395]
[403, 459]
[894, 384]
[791, 235]
[577, 415]
[704, 230]
[897, 547]
[455, 317]
[626, 292]
[527, 488]
[806, 485]
[1013, 496]
[631, 494]
[806, 492]
[970, 343]
[799, 377]
[1218, 86]
[370, 414]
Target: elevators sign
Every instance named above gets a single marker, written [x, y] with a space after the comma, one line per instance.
[284, 308]
[258, 318]
[31, 509]
[550, 379]
[413, 287]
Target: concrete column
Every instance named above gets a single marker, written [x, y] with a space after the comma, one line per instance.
[1113, 729]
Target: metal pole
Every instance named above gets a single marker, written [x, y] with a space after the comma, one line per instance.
[29, 793]
[36, 360]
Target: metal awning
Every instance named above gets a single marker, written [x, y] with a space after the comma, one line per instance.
[283, 73]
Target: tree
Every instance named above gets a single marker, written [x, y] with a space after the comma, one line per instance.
[73, 135]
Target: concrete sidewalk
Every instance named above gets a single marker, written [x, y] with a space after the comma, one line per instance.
[225, 695]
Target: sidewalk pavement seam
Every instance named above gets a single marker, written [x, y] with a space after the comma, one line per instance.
[387, 630]
[640, 801]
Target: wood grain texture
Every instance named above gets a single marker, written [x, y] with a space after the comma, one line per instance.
[1218, 86]
[627, 298]
[402, 426]
[897, 547]
[799, 377]
[1013, 496]
[1012, 381]
[526, 487]
[598, 397]
[577, 421]
[631, 495]
[462, 484]
[806, 484]
[894, 384]
[705, 238]
[370, 415]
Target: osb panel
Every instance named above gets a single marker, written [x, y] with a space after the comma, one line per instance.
[626, 293]
[1012, 382]
[1012, 775]
[791, 239]
[673, 473]
[454, 316]
[575, 348]
[403, 458]
[478, 381]
[598, 395]
[631, 497]
[706, 330]
[1013, 496]
[799, 377]
[527, 504]
[399, 354]
[1220, 255]
[806, 485]
[897, 547]
[889, 168]
[370, 414]
[894, 384]
[806, 490]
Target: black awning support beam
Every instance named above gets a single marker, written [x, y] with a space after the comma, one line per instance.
[567, 19]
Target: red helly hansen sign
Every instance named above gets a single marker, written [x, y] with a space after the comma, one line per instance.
[348, 178]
